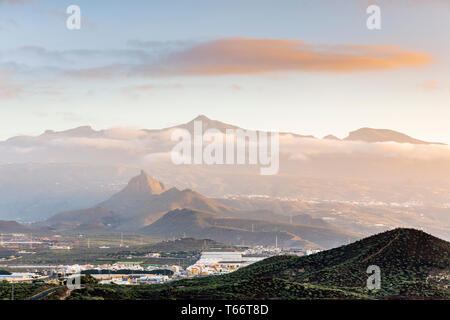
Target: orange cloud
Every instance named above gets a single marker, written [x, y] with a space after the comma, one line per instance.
[429, 85]
[252, 56]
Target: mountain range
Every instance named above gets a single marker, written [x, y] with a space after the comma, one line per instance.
[148, 206]
[140, 203]
[362, 134]
[383, 135]
[370, 181]
[13, 227]
[200, 224]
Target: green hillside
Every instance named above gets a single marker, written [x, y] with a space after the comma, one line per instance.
[207, 225]
[413, 265]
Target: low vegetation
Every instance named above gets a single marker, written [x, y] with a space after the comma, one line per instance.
[409, 261]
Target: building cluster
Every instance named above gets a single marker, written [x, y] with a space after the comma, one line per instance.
[130, 279]
[134, 273]
[26, 277]
[215, 263]
[25, 243]
[274, 251]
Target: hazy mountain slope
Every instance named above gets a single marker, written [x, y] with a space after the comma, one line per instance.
[382, 135]
[37, 191]
[141, 185]
[200, 224]
[145, 195]
[99, 214]
[141, 202]
[12, 227]
[331, 137]
[208, 123]
[267, 215]
[365, 217]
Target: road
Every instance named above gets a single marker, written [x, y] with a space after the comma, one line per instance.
[43, 294]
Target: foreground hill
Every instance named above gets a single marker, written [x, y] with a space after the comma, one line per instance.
[414, 265]
[199, 224]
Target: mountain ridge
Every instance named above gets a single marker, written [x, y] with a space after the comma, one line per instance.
[7, 226]
[235, 230]
[383, 135]
[362, 134]
[142, 201]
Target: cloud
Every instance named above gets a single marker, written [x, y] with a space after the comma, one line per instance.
[158, 157]
[16, 1]
[94, 143]
[253, 56]
[81, 62]
[8, 25]
[429, 85]
[130, 146]
[124, 133]
[8, 89]
[105, 72]
[160, 45]
[136, 91]
[62, 15]
[307, 148]
[146, 87]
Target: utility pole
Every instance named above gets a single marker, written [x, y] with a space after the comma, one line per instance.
[276, 242]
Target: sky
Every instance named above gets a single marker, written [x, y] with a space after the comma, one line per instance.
[305, 66]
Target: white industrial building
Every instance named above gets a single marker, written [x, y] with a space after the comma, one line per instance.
[208, 258]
